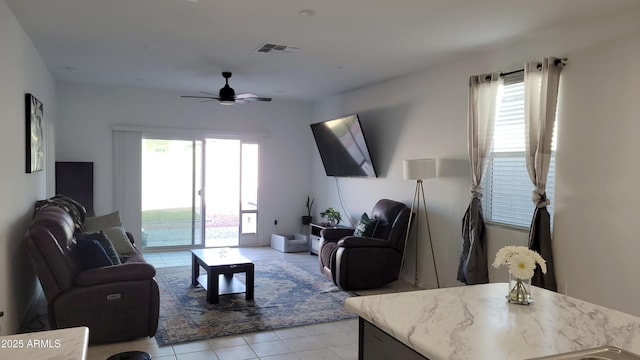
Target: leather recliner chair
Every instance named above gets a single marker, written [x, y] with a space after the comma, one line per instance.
[117, 303]
[358, 263]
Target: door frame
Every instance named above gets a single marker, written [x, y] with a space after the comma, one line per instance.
[127, 169]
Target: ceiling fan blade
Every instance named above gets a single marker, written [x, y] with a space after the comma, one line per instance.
[258, 99]
[208, 93]
[251, 97]
[200, 97]
[245, 96]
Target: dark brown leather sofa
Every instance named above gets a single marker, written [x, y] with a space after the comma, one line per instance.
[117, 303]
[358, 263]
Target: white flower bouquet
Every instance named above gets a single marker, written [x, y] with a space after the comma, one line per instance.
[521, 262]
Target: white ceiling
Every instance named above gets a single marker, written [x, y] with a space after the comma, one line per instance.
[185, 44]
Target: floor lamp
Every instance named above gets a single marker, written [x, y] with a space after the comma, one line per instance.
[419, 170]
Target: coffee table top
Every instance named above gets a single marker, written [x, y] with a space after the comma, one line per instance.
[220, 256]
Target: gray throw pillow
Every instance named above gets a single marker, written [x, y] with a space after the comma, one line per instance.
[120, 240]
[97, 223]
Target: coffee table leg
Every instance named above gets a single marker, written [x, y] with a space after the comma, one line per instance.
[195, 270]
[249, 285]
[212, 287]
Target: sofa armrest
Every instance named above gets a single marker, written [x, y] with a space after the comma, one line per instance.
[122, 272]
[335, 234]
[360, 268]
[357, 242]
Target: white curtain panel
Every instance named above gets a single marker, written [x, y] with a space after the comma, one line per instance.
[127, 180]
[485, 93]
[541, 81]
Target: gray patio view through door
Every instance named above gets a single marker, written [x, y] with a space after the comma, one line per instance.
[198, 193]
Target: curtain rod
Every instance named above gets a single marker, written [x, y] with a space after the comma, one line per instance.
[555, 62]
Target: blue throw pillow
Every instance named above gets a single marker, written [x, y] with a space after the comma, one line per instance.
[92, 255]
[366, 226]
[104, 241]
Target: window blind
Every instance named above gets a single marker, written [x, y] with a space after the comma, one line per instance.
[506, 183]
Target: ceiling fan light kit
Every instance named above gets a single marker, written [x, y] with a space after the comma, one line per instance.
[227, 96]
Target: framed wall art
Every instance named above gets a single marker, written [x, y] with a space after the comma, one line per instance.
[35, 134]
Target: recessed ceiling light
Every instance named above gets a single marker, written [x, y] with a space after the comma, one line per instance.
[307, 12]
[71, 69]
[150, 47]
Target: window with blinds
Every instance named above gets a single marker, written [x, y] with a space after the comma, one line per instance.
[506, 183]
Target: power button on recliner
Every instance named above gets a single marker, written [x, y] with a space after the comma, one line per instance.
[114, 297]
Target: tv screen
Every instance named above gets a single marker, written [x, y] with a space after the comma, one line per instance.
[343, 148]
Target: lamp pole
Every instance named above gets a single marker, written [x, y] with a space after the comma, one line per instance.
[418, 170]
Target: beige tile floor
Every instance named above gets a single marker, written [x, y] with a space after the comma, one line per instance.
[334, 340]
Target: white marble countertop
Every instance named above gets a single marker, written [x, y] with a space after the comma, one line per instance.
[476, 322]
[61, 344]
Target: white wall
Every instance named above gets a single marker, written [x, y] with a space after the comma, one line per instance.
[424, 115]
[21, 71]
[88, 114]
[408, 119]
[597, 181]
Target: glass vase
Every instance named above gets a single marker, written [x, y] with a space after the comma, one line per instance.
[519, 291]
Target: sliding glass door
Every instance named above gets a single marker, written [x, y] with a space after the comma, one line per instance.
[199, 193]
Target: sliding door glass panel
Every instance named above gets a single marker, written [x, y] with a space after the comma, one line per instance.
[249, 193]
[249, 223]
[222, 192]
[198, 208]
[169, 213]
[249, 174]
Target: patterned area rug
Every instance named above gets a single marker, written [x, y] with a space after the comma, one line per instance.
[285, 295]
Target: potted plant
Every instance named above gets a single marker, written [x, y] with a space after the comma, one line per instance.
[306, 219]
[333, 217]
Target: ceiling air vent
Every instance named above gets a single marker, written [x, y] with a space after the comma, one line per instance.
[277, 49]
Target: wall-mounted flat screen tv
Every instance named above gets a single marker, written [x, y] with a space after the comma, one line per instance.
[343, 148]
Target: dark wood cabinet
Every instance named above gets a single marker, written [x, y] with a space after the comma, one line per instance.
[75, 180]
[375, 344]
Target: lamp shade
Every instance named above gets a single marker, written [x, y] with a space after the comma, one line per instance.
[418, 169]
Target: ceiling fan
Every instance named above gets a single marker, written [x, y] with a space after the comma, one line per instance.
[227, 96]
